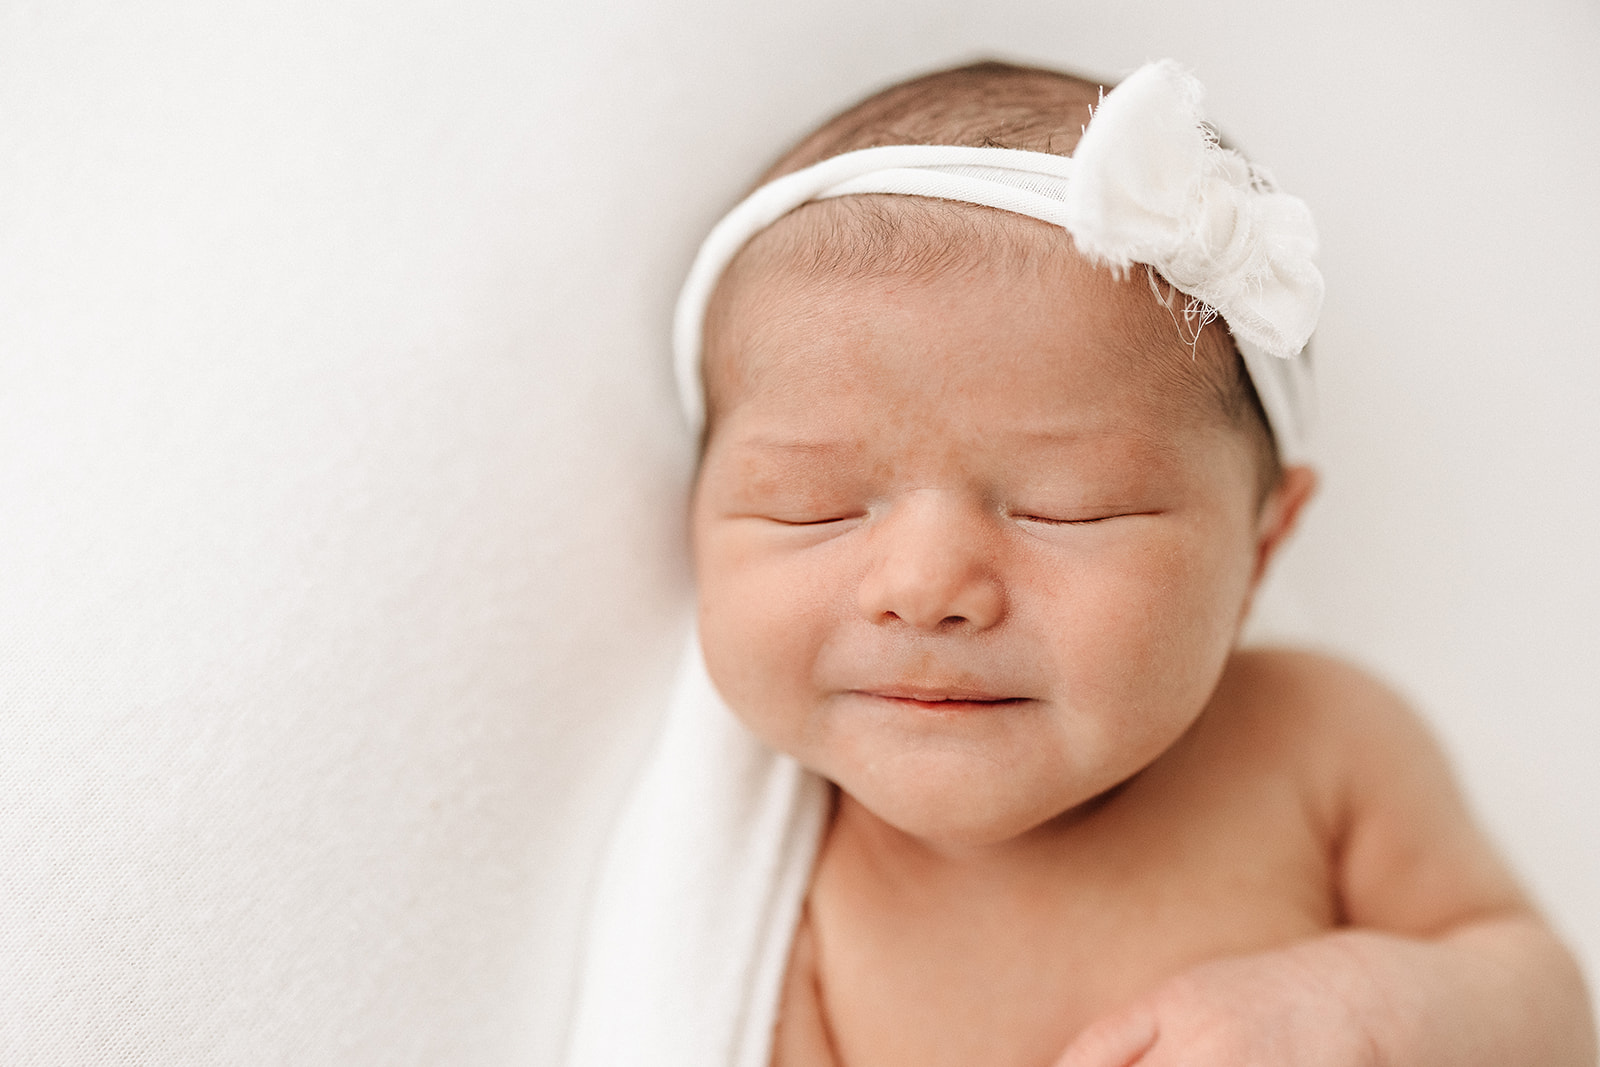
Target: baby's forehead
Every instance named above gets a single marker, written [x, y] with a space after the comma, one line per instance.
[786, 281]
[825, 247]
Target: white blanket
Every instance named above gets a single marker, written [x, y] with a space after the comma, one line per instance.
[699, 896]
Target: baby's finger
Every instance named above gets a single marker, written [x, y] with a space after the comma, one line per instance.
[1119, 1040]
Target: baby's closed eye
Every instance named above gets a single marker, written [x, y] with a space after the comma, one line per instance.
[1061, 520]
[798, 503]
[1062, 513]
[811, 519]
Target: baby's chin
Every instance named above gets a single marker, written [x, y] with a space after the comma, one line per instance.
[962, 809]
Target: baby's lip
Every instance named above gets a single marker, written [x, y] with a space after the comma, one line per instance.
[936, 695]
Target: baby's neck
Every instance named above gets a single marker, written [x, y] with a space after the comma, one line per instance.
[969, 932]
[893, 856]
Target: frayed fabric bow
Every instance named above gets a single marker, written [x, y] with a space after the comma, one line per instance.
[1152, 185]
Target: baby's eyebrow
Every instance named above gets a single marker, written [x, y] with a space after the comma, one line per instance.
[1069, 436]
[765, 456]
[1042, 440]
[798, 446]
[1050, 435]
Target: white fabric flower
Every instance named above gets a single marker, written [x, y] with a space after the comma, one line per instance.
[1152, 185]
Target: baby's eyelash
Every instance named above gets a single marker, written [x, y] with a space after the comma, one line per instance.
[1093, 518]
[824, 520]
[1048, 521]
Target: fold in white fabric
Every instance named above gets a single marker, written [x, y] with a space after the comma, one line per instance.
[699, 896]
[1148, 184]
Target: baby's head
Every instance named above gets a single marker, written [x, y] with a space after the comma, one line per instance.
[978, 519]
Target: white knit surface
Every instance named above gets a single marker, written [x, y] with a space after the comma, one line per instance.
[342, 558]
[340, 544]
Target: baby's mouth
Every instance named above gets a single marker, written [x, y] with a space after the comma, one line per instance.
[948, 701]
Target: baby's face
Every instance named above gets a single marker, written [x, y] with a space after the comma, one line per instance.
[964, 546]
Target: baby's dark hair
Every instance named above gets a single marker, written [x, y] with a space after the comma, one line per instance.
[986, 104]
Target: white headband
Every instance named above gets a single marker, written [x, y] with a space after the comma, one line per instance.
[1147, 184]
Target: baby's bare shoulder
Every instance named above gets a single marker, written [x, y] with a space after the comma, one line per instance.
[1409, 855]
[1313, 682]
[1320, 705]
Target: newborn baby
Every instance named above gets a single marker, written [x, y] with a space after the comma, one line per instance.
[993, 465]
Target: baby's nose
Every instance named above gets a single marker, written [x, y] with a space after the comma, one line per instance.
[934, 567]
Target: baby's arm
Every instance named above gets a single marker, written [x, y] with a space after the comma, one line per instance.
[1442, 961]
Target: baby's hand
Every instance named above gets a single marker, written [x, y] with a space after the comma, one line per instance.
[1277, 1009]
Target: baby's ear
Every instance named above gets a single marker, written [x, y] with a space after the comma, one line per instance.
[1279, 514]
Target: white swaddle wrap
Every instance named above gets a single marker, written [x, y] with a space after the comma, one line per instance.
[699, 896]
[704, 880]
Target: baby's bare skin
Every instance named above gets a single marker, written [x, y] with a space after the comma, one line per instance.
[971, 545]
[1305, 798]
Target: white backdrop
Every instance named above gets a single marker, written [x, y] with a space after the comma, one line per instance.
[340, 555]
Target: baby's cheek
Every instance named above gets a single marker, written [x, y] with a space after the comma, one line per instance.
[742, 669]
[1152, 612]
[743, 630]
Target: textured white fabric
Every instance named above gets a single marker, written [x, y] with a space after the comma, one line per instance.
[1154, 186]
[1148, 184]
[341, 565]
[338, 463]
[699, 897]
